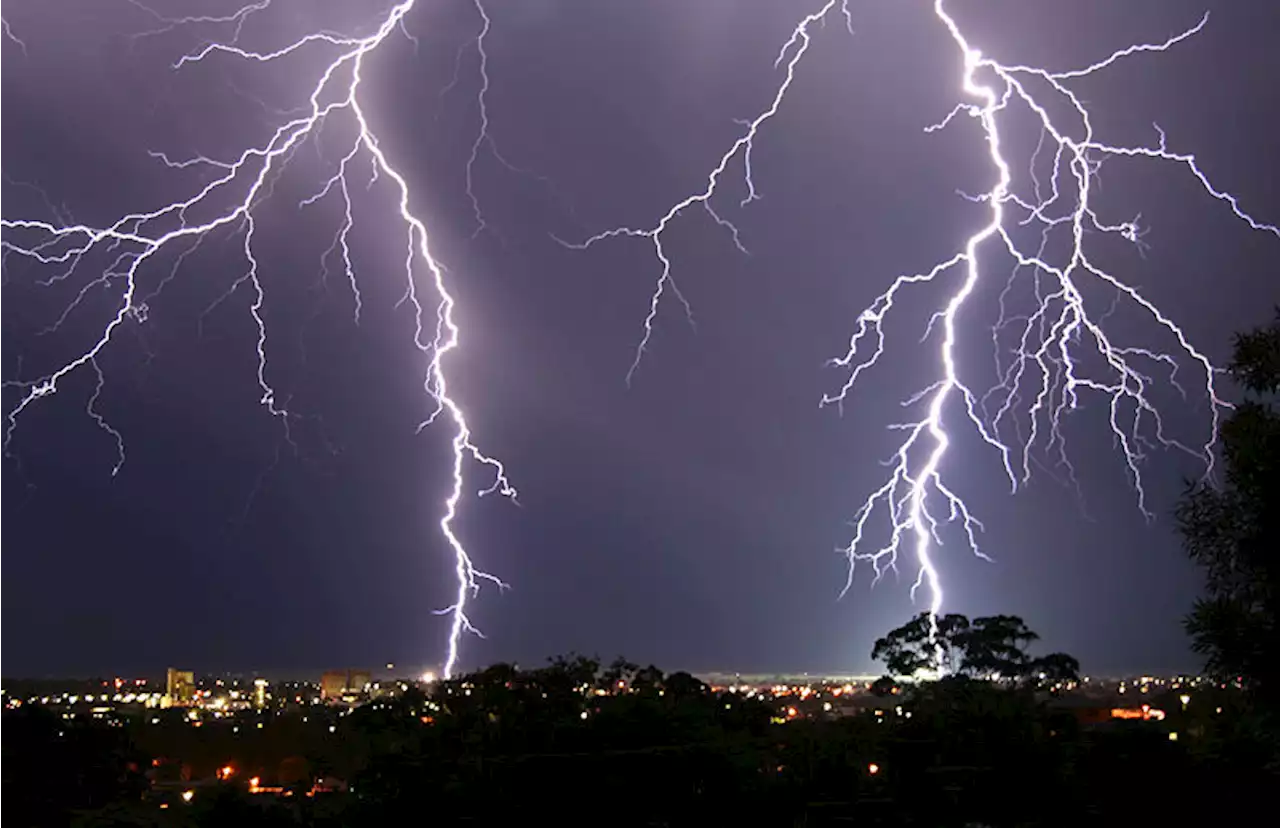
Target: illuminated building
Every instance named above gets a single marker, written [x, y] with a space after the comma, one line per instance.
[333, 684]
[180, 688]
[338, 683]
[260, 693]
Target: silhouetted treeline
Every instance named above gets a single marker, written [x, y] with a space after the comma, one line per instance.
[53, 769]
[1232, 532]
[577, 744]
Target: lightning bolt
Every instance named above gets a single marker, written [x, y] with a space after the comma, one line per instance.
[789, 56]
[1047, 376]
[141, 239]
[8, 34]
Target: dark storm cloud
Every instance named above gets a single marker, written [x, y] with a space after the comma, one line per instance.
[687, 520]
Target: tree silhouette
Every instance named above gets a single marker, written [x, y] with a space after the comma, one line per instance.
[682, 685]
[1055, 667]
[1234, 532]
[996, 647]
[883, 686]
[53, 767]
[988, 647]
[620, 670]
[647, 680]
[916, 646]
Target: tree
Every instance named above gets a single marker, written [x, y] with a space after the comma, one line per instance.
[883, 686]
[53, 767]
[988, 647]
[921, 643]
[1233, 532]
[996, 647]
[620, 671]
[682, 685]
[647, 680]
[1054, 668]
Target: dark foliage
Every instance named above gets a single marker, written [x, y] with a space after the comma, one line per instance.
[53, 768]
[575, 744]
[1233, 532]
[988, 647]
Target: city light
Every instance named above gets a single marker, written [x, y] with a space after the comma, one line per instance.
[807, 699]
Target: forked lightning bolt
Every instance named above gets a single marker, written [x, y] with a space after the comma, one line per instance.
[1046, 376]
[141, 240]
[790, 55]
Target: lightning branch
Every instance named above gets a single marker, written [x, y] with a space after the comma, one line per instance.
[1045, 377]
[244, 179]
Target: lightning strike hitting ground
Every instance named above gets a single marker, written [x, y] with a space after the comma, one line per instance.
[1046, 377]
[140, 240]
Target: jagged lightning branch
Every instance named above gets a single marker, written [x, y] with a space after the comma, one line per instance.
[8, 34]
[1045, 363]
[796, 46]
[139, 238]
[484, 139]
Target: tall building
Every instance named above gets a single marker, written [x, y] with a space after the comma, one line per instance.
[260, 693]
[180, 687]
